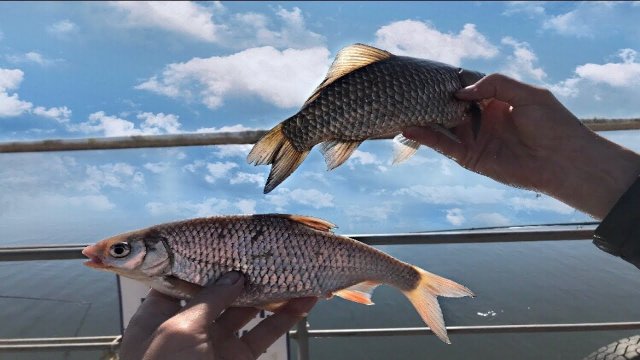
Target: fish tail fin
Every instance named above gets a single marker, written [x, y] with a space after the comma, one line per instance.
[423, 298]
[276, 149]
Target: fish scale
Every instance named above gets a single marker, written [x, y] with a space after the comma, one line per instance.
[367, 93]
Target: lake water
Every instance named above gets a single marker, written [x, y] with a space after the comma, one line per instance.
[515, 283]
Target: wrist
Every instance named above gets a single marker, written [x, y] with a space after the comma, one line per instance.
[594, 174]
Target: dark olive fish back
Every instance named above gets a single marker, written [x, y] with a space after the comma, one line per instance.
[378, 99]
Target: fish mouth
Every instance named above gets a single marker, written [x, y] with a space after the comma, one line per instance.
[94, 260]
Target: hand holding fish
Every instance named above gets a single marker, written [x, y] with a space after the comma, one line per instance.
[529, 139]
[161, 329]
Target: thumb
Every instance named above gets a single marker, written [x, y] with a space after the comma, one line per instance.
[503, 88]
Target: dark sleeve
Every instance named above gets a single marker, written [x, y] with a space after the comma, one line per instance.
[619, 232]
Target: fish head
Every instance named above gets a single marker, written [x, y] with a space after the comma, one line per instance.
[469, 77]
[140, 255]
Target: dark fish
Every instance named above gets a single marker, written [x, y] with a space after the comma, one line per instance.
[367, 93]
[281, 256]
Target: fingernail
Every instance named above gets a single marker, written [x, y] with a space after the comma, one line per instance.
[229, 278]
[466, 90]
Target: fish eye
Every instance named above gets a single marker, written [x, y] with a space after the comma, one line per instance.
[120, 250]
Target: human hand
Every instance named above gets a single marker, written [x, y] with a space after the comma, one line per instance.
[529, 139]
[161, 329]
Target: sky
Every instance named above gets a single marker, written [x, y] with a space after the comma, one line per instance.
[101, 69]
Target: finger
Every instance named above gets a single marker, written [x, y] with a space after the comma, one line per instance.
[272, 328]
[436, 141]
[234, 318]
[503, 88]
[207, 305]
[155, 310]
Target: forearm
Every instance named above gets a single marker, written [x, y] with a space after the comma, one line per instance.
[593, 175]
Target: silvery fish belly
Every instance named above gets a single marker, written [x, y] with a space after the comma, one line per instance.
[367, 93]
[281, 256]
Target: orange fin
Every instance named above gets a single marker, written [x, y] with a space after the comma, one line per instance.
[360, 293]
[315, 223]
[423, 298]
[403, 148]
[272, 306]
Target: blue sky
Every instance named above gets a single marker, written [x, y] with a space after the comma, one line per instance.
[96, 69]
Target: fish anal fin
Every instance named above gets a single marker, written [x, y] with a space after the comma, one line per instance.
[423, 298]
[271, 306]
[403, 148]
[360, 293]
[347, 60]
[337, 152]
[315, 223]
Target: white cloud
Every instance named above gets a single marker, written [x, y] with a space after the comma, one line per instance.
[309, 197]
[62, 28]
[530, 8]
[357, 214]
[187, 18]
[194, 166]
[362, 158]
[490, 219]
[247, 178]
[254, 29]
[455, 217]
[152, 124]
[263, 72]
[522, 64]
[159, 123]
[454, 194]
[218, 170]
[246, 206]
[11, 105]
[540, 203]
[594, 18]
[208, 207]
[116, 175]
[32, 57]
[419, 39]
[624, 74]
[157, 168]
[59, 114]
[224, 151]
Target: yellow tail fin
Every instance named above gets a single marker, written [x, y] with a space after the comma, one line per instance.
[274, 148]
[423, 298]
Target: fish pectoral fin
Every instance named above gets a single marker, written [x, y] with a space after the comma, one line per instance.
[337, 152]
[403, 148]
[312, 222]
[360, 293]
[349, 59]
[272, 306]
[446, 132]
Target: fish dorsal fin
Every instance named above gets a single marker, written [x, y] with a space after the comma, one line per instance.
[315, 223]
[349, 59]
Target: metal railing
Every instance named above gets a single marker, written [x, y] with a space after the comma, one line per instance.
[222, 138]
[302, 334]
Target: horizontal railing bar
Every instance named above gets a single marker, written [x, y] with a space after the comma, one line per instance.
[61, 344]
[94, 342]
[494, 329]
[581, 232]
[222, 138]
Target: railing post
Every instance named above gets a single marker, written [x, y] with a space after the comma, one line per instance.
[302, 337]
